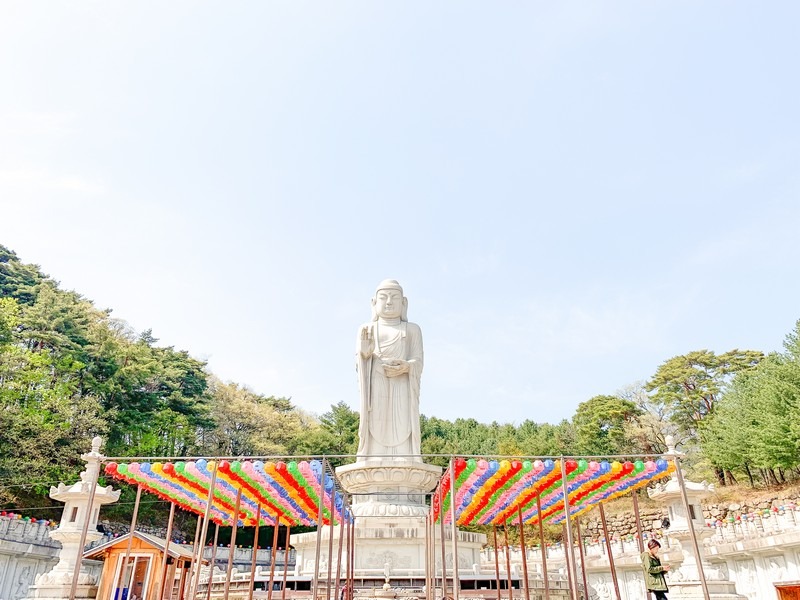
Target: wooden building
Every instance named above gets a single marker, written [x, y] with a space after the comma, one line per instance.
[141, 578]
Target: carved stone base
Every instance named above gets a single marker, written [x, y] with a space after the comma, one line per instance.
[717, 590]
[47, 591]
[390, 535]
[388, 488]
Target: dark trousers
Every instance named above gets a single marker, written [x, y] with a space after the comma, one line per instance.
[659, 595]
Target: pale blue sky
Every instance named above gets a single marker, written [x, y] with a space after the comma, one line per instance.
[570, 192]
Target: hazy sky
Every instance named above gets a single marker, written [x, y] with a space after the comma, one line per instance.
[570, 192]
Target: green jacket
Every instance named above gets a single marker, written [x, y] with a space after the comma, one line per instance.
[653, 573]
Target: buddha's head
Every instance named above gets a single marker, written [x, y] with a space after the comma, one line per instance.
[389, 302]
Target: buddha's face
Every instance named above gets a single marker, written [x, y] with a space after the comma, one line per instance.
[389, 304]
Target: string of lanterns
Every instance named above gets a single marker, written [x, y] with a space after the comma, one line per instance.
[285, 492]
[491, 492]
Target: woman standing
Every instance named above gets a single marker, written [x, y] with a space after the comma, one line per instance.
[654, 571]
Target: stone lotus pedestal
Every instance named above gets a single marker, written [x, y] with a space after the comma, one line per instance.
[386, 488]
[389, 505]
[56, 584]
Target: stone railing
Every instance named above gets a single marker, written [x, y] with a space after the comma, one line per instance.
[767, 522]
[26, 550]
[20, 530]
[245, 556]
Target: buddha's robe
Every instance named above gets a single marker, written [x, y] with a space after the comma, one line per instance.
[390, 405]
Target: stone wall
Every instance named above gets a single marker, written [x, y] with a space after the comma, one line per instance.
[116, 529]
[623, 525]
[26, 551]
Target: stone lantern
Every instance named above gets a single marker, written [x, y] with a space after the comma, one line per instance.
[686, 580]
[58, 582]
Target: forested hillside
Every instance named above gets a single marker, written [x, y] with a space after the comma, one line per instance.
[70, 370]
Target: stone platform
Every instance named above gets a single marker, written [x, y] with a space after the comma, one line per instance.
[389, 503]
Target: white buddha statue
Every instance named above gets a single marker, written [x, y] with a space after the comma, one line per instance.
[389, 364]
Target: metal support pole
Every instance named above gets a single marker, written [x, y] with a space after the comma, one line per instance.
[352, 561]
[524, 554]
[315, 581]
[508, 563]
[433, 553]
[543, 547]
[496, 563]
[583, 558]
[255, 555]
[454, 529]
[428, 557]
[330, 537]
[84, 531]
[182, 580]
[639, 535]
[285, 562]
[638, 518]
[692, 533]
[186, 586]
[197, 558]
[163, 578]
[213, 561]
[339, 557]
[232, 547]
[571, 553]
[570, 556]
[130, 535]
[441, 533]
[570, 567]
[195, 581]
[610, 553]
[273, 555]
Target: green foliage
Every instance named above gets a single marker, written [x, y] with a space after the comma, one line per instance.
[69, 371]
[690, 384]
[600, 426]
[757, 423]
[17, 280]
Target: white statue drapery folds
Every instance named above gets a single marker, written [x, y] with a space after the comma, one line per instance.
[389, 361]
